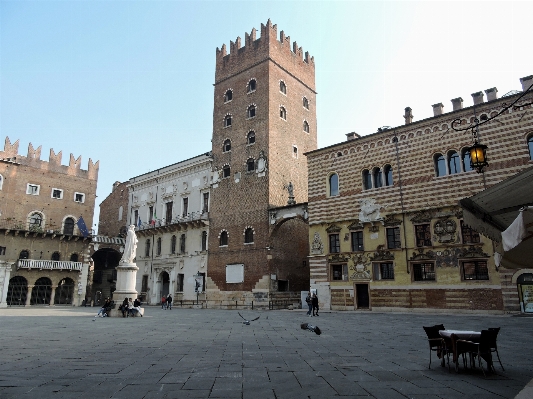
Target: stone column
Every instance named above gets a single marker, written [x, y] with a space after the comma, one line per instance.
[126, 278]
[5, 274]
[52, 295]
[28, 295]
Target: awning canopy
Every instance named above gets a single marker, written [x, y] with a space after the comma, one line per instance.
[493, 210]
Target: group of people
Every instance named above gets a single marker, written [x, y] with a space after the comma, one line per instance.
[166, 302]
[130, 307]
[312, 303]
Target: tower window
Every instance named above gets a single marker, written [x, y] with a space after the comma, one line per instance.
[387, 175]
[251, 86]
[227, 145]
[226, 171]
[306, 127]
[228, 96]
[305, 103]
[334, 185]
[367, 180]
[440, 165]
[56, 256]
[249, 235]
[227, 121]
[68, 226]
[224, 239]
[282, 87]
[454, 164]
[467, 165]
[294, 151]
[250, 112]
[250, 165]
[251, 137]
[282, 113]
[378, 177]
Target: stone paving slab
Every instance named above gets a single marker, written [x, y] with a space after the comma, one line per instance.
[63, 352]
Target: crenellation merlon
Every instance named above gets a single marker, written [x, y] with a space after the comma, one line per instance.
[34, 160]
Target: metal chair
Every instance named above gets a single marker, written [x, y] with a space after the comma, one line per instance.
[483, 348]
[436, 342]
[492, 344]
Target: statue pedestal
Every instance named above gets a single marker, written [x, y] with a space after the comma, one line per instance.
[126, 278]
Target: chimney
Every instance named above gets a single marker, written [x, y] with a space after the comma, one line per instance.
[115, 185]
[526, 82]
[457, 103]
[492, 94]
[478, 98]
[408, 116]
[437, 109]
[352, 136]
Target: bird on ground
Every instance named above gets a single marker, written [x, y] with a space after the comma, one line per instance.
[247, 322]
[310, 327]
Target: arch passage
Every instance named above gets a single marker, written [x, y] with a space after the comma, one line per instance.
[64, 292]
[17, 291]
[40, 294]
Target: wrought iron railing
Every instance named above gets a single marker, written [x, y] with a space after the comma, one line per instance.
[190, 217]
[48, 264]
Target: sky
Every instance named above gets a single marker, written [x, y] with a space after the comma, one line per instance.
[130, 83]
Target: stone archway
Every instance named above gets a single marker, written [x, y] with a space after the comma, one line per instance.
[64, 292]
[17, 291]
[104, 275]
[41, 292]
[164, 284]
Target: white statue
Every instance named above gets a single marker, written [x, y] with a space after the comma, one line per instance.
[131, 246]
[369, 211]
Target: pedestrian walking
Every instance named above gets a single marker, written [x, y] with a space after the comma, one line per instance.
[314, 302]
[169, 302]
[309, 304]
[164, 302]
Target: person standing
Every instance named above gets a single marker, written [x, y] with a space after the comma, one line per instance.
[309, 304]
[169, 302]
[164, 302]
[314, 302]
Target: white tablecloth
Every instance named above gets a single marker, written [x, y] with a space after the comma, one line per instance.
[461, 334]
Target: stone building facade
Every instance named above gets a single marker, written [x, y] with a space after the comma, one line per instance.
[44, 256]
[264, 119]
[386, 230]
[170, 207]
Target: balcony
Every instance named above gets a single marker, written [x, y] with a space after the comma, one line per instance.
[193, 219]
[49, 265]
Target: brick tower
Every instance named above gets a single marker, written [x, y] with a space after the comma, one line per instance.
[264, 120]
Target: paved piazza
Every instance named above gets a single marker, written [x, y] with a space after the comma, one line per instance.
[186, 353]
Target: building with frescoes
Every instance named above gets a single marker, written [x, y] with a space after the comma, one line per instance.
[46, 211]
[385, 227]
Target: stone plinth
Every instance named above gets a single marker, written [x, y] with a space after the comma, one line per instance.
[126, 277]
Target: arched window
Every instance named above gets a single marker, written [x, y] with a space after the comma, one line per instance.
[36, 221]
[251, 86]
[64, 292]
[228, 96]
[224, 238]
[249, 235]
[250, 138]
[305, 103]
[529, 146]
[250, 165]
[68, 226]
[250, 112]
[226, 171]
[204, 240]
[182, 243]
[387, 174]
[173, 241]
[227, 121]
[74, 257]
[467, 164]
[24, 254]
[282, 113]
[367, 180]
[282, 87]
[334, 185]
[227, 145]
[158, 250]
[56, 256]
[440, 165]
[377, 175]
[306, 127]
[454, 163]
[147, 248]
[17, 291]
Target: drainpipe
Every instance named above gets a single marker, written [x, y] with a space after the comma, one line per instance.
[395, 140]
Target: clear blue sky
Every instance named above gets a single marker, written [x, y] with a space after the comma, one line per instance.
[129, 83]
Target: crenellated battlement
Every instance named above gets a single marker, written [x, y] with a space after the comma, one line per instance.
[33, 159]
[256, 50]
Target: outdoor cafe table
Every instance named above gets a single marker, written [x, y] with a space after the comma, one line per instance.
[451, 337]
